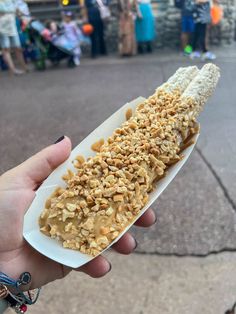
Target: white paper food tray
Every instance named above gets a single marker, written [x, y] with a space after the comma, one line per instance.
[53, 248]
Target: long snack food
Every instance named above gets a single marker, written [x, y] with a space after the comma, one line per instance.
[108, 190]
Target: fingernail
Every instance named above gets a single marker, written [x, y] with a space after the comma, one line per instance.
[155, 220]
[136, 244]
[109, 268]
[60, 139]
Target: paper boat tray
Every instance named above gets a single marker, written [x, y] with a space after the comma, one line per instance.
[53, 248]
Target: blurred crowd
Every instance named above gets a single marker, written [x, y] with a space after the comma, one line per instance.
[25, 39]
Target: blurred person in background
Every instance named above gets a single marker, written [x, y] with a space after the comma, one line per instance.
[9, 37]
[217, 14]
[202, 18]
[23, 10]
[127, 43]
[23, 18]
[92, 14]
[187, 25]
[145, 26]
[73, 34]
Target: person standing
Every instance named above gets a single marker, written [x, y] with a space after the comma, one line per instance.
[9, 37]
[23, 10]
[22, 20]
[187, 25]
[202, 17]
[94, 18]
[73, 35]
[127, 41]
[145, 26]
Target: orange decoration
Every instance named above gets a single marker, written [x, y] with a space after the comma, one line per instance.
[216, 14]
[87, 29]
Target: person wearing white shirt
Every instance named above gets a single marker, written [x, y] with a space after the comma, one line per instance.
[9, 37]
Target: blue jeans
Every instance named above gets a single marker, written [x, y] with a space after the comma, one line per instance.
[187, 24]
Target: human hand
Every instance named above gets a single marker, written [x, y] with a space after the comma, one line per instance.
[17, 191]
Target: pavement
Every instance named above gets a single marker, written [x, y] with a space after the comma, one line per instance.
[186, 263]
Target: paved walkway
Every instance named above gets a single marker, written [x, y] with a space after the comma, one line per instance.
[196, 215]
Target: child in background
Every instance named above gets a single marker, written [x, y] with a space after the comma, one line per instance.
[73, 34]
[187, 26]
[54, 29]
[202, 17]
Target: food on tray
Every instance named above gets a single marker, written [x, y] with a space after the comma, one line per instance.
[109, 190]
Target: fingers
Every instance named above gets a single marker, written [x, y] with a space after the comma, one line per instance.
[147, 219]
[97, 268]
[100, 266]
[38, 168]
[126, 245]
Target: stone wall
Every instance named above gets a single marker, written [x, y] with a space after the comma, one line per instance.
[168, 25]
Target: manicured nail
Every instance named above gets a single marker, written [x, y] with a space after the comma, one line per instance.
[109, 268]
[60, 139]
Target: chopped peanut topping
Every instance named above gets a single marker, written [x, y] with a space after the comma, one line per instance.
[128, 114]
[97, 146]
[110, 189]
[104, 230]
[71, 207]
[79, 160]
[118, 198]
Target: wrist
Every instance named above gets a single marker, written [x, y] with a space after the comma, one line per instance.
[3, 305]
[12, 294]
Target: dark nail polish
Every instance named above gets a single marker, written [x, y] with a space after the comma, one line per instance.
[60, 139]
[109, 268]
[136, 244]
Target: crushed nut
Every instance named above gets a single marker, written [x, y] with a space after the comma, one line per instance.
[80, 159]
[109, 211]
[109, 190]
[66, 214]
[96, 147]
[82, 204]
[128, 113]
[102, 241]
[104, 230]
[118, 198]
[71, 207]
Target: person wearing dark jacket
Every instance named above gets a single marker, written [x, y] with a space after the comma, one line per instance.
[202, 17]
[97, 37]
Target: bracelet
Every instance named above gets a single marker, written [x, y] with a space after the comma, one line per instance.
[18, 300]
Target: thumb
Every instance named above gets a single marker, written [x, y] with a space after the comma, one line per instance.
[37, 168]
